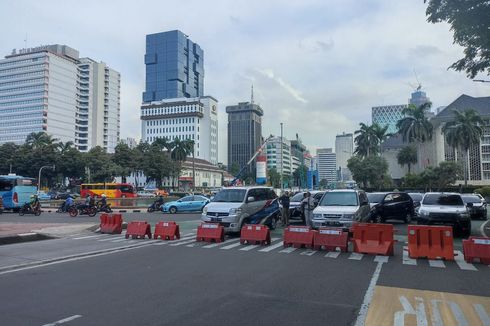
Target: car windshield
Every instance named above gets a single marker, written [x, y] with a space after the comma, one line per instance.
[442, 199]
[376, 197]
[339, 199]
[298, 197]
[471, 199]
[230, 196]
[416, 197]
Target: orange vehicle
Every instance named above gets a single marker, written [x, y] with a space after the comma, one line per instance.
[111, 190]
[161, 193]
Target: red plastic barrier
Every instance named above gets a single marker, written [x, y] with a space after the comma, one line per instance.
[298, 236]
[111, 223]
[477, 247]
[138, 229]
[167, 230]
[210, 231]
[369, 238]
[331, 239]
[255, 234]
[433, 242]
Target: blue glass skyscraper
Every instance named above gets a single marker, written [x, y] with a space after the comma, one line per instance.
[174, 67]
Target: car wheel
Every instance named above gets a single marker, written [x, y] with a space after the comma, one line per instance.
[172, 210]
[273, 223]
[379, 219]
[408, 218]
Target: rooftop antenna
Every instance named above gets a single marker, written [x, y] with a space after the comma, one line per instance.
[419, 87]
[252, 97]
[25, 42]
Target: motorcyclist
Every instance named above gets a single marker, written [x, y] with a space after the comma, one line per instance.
[91, 201]
[34, 203]
[68, 203]
[158, 203]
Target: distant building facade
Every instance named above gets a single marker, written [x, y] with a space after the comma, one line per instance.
[283, 165]
[388, 115]
[244, 133]
[327, 164]
[51, 89]
[344, 150]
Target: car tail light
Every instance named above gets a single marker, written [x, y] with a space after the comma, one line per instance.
[15, 198]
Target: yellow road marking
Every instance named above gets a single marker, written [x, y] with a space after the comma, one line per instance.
[399, 306]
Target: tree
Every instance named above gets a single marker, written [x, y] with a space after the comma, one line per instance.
[369, 171]
[100, 165]
[323, 184]
[470, 23]
[407, 156]
[366, 141]
[299, 176]
[414, 126]
[464, 132]
[181, 149]
[446, 174]
[234, 168]
[380, 135]
[125, 158]
[274, 178]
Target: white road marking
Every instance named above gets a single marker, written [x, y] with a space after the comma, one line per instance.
[361, 317]
[110, 237]
[87, 237]
[231, 246]
[332, 254]
[26, 234]
[214, 245]
[309, 252]
[182, 239]
[436, 263]
[381, 259]
[174, 244]
[250, 247]
[288, 250]
[272, 247]
[65, 320]
[406, 259]
[459, 258]
[356, 256]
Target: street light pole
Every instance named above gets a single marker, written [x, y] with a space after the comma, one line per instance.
[282, 162]
[39, 176]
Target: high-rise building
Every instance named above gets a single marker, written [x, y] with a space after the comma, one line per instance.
[298, 150]
[174, 67]
[282, 163]
[344, 150]
[244, 133]
[327, 164]
[388, 115]
[184, 118]
[49, 88]
[418, 97]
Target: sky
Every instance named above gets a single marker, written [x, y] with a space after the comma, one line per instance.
[318, 66]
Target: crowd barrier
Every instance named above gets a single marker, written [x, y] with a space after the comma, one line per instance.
[138, 229]
[255, 234]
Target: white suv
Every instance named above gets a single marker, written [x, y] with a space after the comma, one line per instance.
[341, 208]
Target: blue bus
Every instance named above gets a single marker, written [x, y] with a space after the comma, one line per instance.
[16, 190]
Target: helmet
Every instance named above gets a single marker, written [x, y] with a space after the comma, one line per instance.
[32, 196]
[103, 195]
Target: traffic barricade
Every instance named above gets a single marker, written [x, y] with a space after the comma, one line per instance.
[138, 229]
[209, 232]
[255, 234]
[330, 239]
[370, 238]
[298, 236]
[111, 223]
[431, 242]
[477, 248]
[166, 230]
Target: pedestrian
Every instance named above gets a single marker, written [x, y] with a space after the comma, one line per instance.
[284, 200]
[308, 205]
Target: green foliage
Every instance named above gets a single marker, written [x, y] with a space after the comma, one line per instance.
[434, 178]
[470, 23]
[484, 191]
[323, 184]
[299, 176]
[369, 138]
[370, 171]
[274, 178]
[234, 168]
[407, 156]
[415, 126]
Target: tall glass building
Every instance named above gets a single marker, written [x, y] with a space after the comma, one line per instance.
[174, 67]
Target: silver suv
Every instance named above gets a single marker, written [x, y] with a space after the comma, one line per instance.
[447, 209]
[235, 206]
[341, 208]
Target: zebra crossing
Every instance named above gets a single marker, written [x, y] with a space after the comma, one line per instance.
[189, 240]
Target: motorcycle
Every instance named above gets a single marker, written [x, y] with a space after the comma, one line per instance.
[82, 210]
[63, 209]
[27, 209]
[104, 208]
[154, 207]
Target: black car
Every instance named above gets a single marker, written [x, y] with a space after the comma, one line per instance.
[478, 207]
[391, 206]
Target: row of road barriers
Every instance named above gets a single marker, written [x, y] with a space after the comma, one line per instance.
[424, 241]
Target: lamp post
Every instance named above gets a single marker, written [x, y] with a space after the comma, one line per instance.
[282, 162]
[39, 176]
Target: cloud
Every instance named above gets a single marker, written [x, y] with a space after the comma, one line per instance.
[290, 89]
[424, 51]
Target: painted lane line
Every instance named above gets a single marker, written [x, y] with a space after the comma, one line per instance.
[272, 247]
[309, 252]
[436, 263]
[458, 257]
[406, 259]
[65, 320]
[368, 297]
[381, 259]
[214, 245]
[288, 250]
[250, 247]
[182, 243]
[332, 254]
[231, 246]
[183, 239]
[109, 238]
[87, 237]
[355, 256]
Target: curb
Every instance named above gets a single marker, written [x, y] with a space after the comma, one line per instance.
[24, 237]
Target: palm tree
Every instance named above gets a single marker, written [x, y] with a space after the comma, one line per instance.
[366, 141]
[181, 149]
[40, 140]
[414, 126]
[380, 134]
[163, 143]
[465, 131]
[407, 156]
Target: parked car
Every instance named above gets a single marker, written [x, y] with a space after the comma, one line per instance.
[446, 209]
[186, 204]
[478, 207]
[1, 204]
[146, 194]
[391, 206]
[179, 194]
[342, 207]
[416, 198]
[42, 195]
[235, 206]
[161, 192]
[295, 203]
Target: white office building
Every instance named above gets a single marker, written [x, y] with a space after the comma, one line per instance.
[184, 118]
[43, 89]
[344, 150]
[326, 162]
[282, 164]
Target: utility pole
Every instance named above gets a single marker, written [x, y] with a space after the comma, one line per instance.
[193, 169]
[39, 176]
[282, 161]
